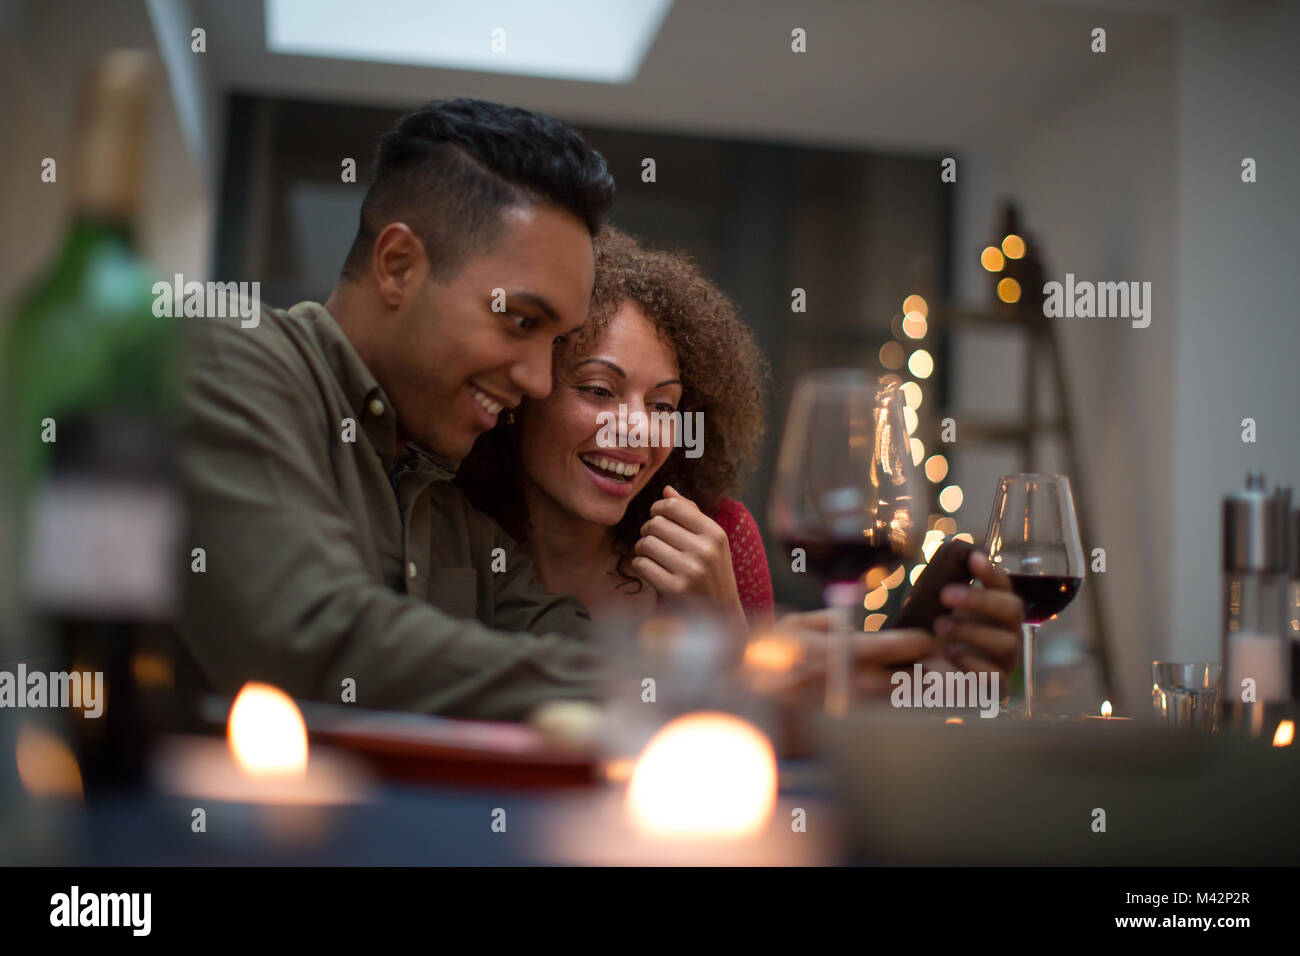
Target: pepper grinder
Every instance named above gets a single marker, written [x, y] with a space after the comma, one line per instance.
[1291, 601]
[1253, 646]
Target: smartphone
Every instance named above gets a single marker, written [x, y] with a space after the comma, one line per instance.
[948, 565]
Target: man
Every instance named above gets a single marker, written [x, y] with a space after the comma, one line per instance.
[322, 441]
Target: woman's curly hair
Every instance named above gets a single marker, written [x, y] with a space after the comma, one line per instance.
[722, 373]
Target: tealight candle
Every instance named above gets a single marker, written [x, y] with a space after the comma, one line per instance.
[264, 761]
[1105, 713]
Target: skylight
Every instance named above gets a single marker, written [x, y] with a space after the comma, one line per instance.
[603, 41]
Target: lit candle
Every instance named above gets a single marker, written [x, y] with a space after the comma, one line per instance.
[263, 761]
[1285, 734]
[704, 775]
[1105, 714]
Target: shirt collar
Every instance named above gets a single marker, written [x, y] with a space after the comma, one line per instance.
[373, 409]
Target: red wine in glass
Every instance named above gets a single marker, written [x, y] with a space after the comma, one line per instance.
[846, 494]
[1045, 595]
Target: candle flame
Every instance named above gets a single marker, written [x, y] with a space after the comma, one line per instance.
[708, 775]
[1285, 734]
[1105, 708]
[266, 733]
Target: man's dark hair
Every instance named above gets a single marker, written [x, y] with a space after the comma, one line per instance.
[450, 169]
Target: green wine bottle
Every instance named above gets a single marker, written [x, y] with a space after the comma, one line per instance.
[84, 339]
[90, 385]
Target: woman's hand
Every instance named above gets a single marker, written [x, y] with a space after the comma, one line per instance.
[982, 632]
[684, 554]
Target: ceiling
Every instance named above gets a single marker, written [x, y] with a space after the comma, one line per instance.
[906, 75]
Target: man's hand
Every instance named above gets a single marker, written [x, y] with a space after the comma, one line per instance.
[874, 655]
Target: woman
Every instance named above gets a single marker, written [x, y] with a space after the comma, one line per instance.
[618, 516]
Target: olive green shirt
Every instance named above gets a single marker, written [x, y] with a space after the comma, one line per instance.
[326, 558]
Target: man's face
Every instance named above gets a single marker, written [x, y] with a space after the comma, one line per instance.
[451, 363]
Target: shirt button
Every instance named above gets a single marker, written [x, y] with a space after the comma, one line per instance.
[410, 569]
[376, 407]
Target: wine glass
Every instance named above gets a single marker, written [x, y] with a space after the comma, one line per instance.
[845, 497]
[1034, 537]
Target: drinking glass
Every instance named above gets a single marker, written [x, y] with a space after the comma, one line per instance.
[845, 498]
[1185, 695]
[1034, 536]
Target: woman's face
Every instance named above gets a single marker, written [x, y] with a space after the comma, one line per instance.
[564, 438]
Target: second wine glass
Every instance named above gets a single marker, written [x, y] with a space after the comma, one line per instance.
[1034, 536]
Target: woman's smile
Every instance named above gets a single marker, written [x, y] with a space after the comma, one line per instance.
[616, 476]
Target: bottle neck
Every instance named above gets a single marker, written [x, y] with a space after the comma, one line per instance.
[89, 226]
[94, 233]
[112, 141]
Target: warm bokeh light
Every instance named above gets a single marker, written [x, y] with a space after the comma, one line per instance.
[946, 525]
[875, 599]
[1013, 246]
[914, 303]
[1009, 290]
[151, 670]
[1285, 734]
[874, 622]
[773, 653]
[991, 259]
[770, 658]
[914, 325]
[954, 720]
[933, 539]
[910, 419]
[266, 732]
[1105, 708]
[916, 573]
[950, 498]
[875, 578]
[918, 451]
[619, 770]
[936, 468]
[891, 355]
[912, 394]
[47, 766]
[704, 775]
[920, 364]
[895, 577]
[964, 536]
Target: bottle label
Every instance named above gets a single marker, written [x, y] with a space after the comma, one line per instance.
[103, 550]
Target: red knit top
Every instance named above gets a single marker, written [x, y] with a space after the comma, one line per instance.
[748, 559]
